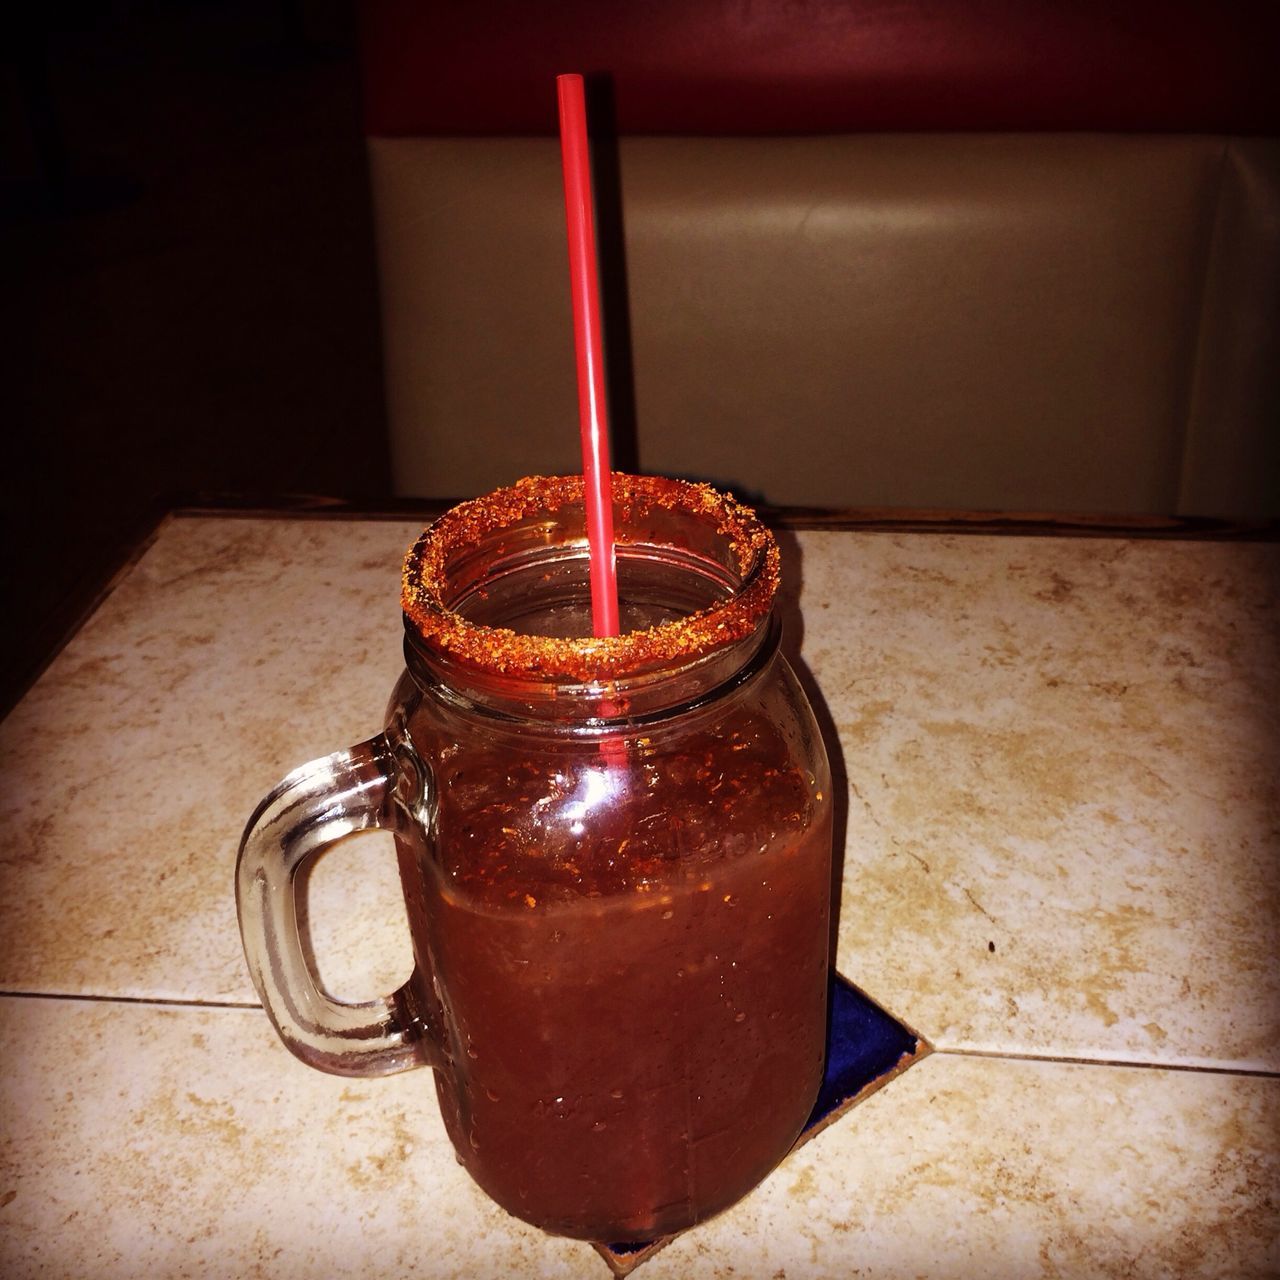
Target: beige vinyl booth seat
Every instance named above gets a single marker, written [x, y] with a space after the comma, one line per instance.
[1030, 322]
[985, 255]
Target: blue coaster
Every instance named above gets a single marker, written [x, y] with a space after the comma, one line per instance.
[866, 1048]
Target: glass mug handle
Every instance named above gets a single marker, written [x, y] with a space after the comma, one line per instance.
[315, 806]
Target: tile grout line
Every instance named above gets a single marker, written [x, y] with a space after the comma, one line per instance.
[160, 1001]
[178, 1003]
[1261, 1073]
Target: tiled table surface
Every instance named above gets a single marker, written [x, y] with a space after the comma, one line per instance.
[1063, 837]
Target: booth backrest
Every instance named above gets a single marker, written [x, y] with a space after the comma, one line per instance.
[995, 257]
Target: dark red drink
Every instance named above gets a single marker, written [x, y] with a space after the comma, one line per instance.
[633, 990]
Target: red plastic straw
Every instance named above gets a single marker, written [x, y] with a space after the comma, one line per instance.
[589, 350]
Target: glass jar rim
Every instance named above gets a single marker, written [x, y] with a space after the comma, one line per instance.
[504, 652]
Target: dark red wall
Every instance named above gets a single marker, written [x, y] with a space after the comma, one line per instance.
[819, 66]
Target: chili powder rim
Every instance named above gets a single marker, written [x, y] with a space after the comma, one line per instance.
[501, 651]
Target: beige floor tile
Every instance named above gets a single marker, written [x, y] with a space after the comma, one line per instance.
[1064, 805]
[1000, 1168]
[235, 650]
[143, 1140]
[1064, 769]
[185, 1142]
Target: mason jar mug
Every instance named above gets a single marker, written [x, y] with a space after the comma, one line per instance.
[615, 855]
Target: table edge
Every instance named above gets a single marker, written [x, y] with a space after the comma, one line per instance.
[852, 519]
